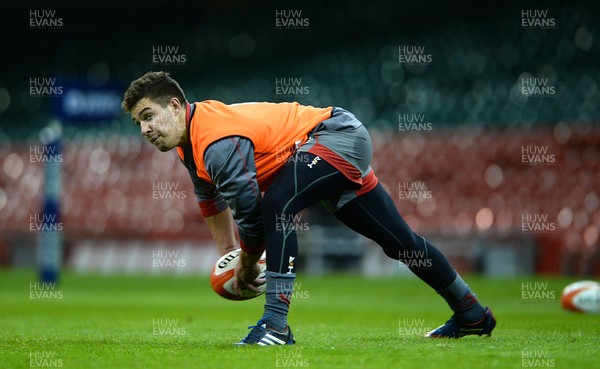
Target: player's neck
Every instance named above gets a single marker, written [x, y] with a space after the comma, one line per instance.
[183, 125]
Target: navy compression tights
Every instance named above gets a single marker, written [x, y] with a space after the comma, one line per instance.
[372, 214]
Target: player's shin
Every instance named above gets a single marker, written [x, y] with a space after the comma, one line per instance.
[462, 301]
[279, 292]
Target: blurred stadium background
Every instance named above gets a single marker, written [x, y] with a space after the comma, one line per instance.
[489, 208]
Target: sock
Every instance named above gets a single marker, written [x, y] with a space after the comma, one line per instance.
[462, 301]
[278, 295]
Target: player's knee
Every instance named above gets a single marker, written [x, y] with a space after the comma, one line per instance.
[392, 252]
[398, 247]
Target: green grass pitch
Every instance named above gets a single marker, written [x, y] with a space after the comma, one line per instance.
[340, 321]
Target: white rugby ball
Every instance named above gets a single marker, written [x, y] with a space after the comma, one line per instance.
[221, 277]
[582, 296]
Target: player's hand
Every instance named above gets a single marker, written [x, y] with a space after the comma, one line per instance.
[246, 274]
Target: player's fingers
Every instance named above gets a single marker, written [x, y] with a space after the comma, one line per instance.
[252, 288]
[255, 284]
[237, 288]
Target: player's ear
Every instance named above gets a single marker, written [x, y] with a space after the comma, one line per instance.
[175, 104]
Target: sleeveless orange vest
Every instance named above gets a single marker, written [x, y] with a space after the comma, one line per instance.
[273, 128]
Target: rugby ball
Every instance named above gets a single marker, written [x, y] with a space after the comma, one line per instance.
[582, 297]
[221, 277]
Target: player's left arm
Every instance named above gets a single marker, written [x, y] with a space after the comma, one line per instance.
[216, 213]
[230, 164]
[221, 226]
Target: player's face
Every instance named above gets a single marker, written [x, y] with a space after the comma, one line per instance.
[159, 124]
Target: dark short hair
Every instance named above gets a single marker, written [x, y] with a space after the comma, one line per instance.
[157, 86]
